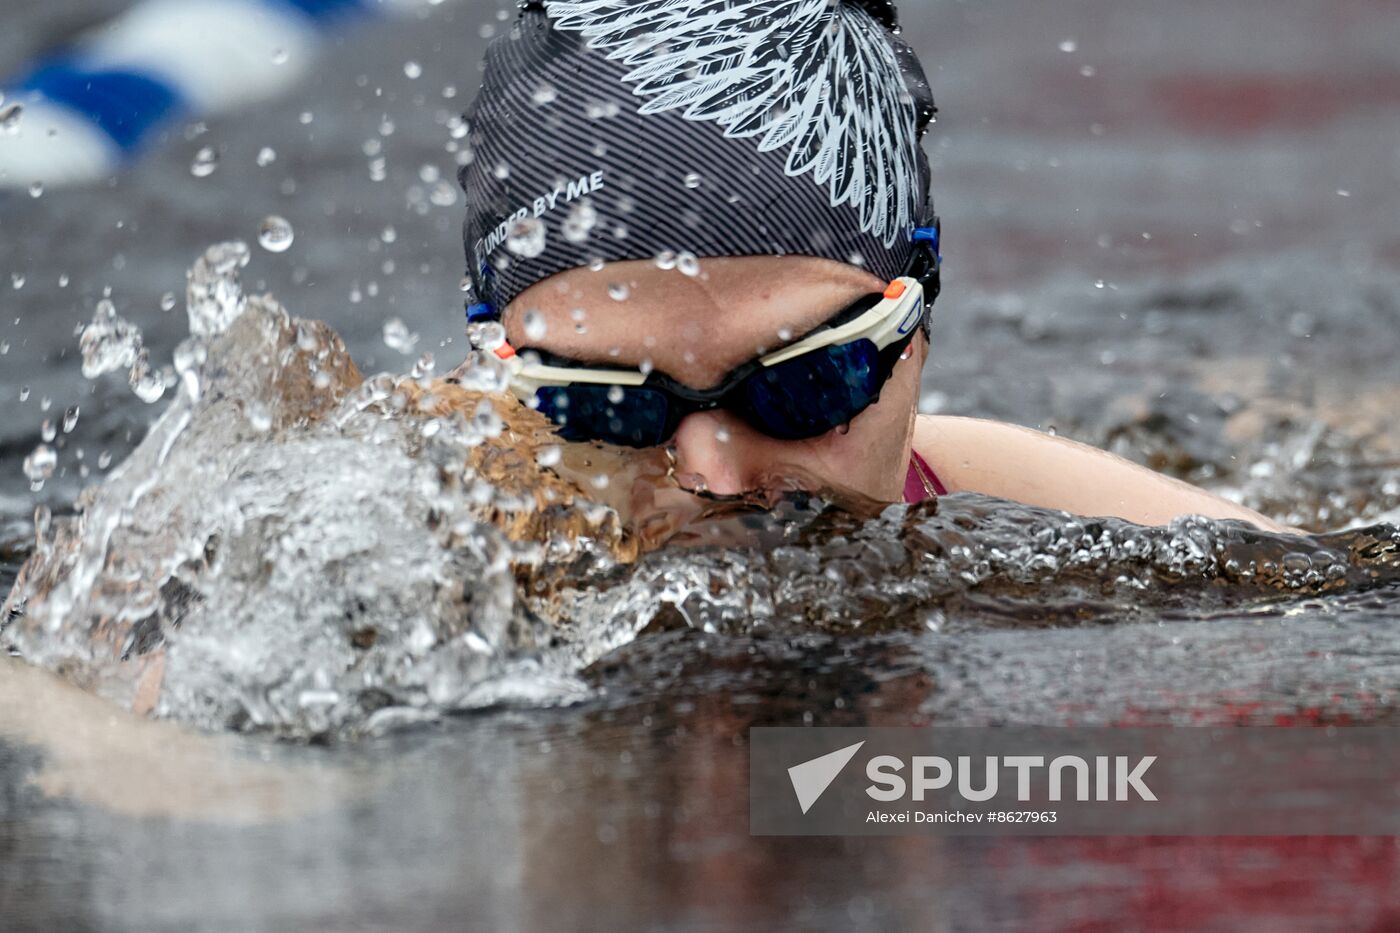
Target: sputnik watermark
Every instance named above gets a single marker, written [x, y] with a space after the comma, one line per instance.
[1174, 781]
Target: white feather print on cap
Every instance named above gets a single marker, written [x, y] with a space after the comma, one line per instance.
[816, 76]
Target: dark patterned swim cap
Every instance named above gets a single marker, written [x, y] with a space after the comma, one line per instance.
[608, 130]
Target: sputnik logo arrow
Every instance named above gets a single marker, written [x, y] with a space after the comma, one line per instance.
[811, 778]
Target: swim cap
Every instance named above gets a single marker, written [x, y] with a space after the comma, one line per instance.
[608, 130]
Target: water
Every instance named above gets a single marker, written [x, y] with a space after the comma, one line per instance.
[589, 768]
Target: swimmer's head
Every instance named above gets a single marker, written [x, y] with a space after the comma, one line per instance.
[616, 130]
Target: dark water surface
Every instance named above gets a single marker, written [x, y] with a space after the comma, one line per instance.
[1177, 240]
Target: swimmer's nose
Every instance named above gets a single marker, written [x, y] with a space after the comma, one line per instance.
[727, 455]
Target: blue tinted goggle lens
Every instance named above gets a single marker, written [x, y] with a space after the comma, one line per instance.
[628, 417]
[813, 393]
[804, 397]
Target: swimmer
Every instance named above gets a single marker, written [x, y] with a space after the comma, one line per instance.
[707, 227]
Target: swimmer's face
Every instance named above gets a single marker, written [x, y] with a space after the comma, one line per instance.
[698, 328]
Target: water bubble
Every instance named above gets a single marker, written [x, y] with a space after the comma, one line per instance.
[688, 264]
[501, 171]
[10, 116]
[692, 180]
[666, 259]
[40, 464]
[526, 237]
[583, 217]
[109, 343]
[36, 190]
[389, 235]
[1068, 45]
[266, 156]
[398, 337]
[206, 162]
[148, 384]
[619, 291]
[276, 234]
[535, 326]
[412, 70]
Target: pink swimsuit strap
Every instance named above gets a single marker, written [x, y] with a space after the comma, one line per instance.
[914, 488]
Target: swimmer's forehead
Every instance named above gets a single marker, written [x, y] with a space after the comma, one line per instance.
[695, 323]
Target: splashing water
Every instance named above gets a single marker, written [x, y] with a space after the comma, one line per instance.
[359, 553]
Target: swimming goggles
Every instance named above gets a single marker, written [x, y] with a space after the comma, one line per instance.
[809, 387]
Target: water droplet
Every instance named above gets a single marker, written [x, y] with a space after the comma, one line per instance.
[444, 194]
[40, 464]
[1068, 45]
[206, 162]
[646, 366]
[167, 301]
[279, 56]
[666, 259]
[1088, 71]
[1343, 193]
[526, 237]
[583, 217]
[412, 70]
[266, 156]
[601, 481]
[616, 395]
[109, 343]
[501, 171]
[722, 435]
[535, 326]
[545, 94]
[276, 234]
[259, 418]
[190, 355]
[70, 419]
[692, 180]
[602, 110]
[688, 264]
[389, 235]
[486, 336]
[486, 421]
[10, 116]
[618, 291]
[24, 393]
[398, 337]
[47, 431]
[148, 384]
[36, 190]
[549, 455]
[784, 334]
[17, 280]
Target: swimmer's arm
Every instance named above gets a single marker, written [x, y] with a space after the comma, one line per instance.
[1024, 465]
